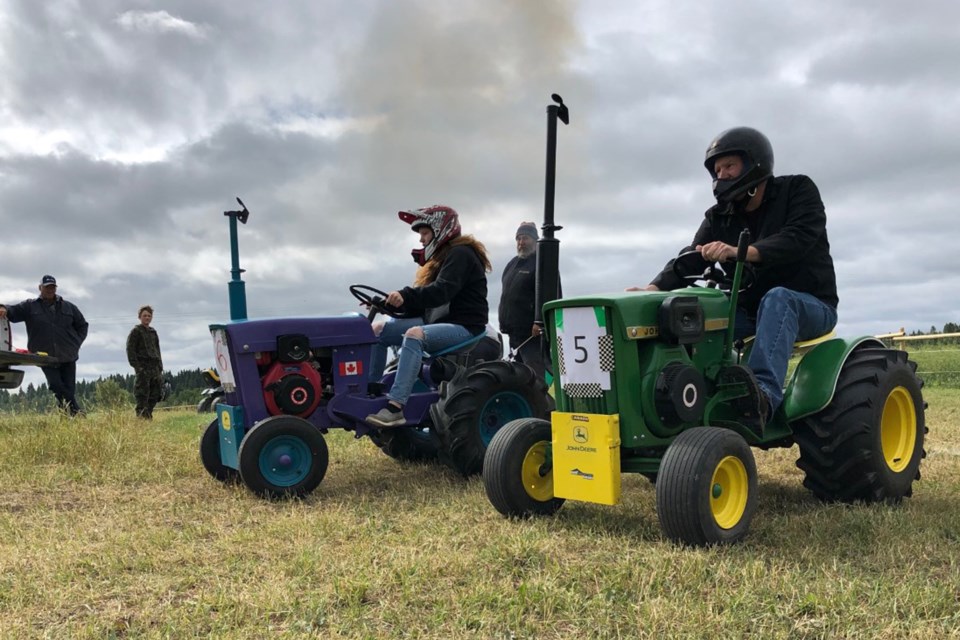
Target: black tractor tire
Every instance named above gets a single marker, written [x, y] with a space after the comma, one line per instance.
[518, 471]
[867, 444]
[210, 455]
[408, 444]
[477, 402]
[283, 457]
[707, 487]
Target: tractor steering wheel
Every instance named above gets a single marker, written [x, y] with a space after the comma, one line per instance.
[685, 264]
[376, 300]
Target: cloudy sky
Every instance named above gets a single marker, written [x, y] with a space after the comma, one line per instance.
[127, 128]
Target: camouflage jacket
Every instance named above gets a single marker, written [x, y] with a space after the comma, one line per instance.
[143, 348]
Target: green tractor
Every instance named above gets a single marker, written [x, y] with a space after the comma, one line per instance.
[647, 382]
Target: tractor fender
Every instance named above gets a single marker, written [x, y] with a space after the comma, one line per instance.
[814, 380]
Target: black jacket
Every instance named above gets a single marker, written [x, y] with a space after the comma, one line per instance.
[57, 329]
[788, 230]
[517, 296]
[457, 296]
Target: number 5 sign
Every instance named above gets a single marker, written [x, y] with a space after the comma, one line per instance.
[585, 350]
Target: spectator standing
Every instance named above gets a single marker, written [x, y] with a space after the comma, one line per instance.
[55, 327]
[518, 299]
[143, 354]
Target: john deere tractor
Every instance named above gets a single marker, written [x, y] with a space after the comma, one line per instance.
[652, 383]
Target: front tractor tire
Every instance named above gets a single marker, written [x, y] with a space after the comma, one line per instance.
[283, 457]
[477, 402]
[210, 455]
[867, 444]
[518, 470]
[707, 487]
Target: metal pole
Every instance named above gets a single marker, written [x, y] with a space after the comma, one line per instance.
[236, 288]
[548, 247]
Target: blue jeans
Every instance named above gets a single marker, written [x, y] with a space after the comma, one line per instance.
[784, 317]
[436, 337]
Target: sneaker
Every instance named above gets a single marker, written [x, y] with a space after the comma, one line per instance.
[389, 416]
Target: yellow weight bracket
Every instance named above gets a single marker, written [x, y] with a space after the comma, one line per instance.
[586, 457]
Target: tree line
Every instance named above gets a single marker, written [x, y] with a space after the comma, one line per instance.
[950, 327]
[114, 391]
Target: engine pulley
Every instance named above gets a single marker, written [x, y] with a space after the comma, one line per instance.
[680, 394]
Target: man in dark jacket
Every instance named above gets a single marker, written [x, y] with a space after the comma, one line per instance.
[143, 354]
[55, 327]
[517, 300]
[794, 296]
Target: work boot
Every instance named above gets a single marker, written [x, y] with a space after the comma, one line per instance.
[754, 406]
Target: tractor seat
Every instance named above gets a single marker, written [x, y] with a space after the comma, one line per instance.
[445, 363]
[462, 347]
[801, 345]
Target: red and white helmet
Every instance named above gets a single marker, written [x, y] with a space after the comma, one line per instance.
[442, 220]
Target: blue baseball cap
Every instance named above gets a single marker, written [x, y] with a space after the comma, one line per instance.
[46, 280]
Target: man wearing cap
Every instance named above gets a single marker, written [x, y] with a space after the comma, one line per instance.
[518, 298]
[55, 327]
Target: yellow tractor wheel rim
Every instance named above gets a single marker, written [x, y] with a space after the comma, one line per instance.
[898, 429]
[729, 490]
[538, 486]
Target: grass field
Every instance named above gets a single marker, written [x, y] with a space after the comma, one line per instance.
[110, 527]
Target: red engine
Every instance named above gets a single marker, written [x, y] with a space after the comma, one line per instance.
[291, 388]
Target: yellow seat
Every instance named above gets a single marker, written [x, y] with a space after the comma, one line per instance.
[800, 345]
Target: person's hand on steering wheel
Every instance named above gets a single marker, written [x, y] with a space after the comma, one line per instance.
[394, 299]
[378, 301]
[717, 251]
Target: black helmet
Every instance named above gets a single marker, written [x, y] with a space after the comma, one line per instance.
[757, 154]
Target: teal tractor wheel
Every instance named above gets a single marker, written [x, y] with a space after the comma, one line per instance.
[707, 487]
[518, 470]
[867, 444]
[210, 455]
[283, 457]
[477, 403]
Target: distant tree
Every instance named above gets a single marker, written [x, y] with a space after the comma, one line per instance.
[110, 395]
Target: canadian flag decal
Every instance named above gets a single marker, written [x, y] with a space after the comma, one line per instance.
[352, 368]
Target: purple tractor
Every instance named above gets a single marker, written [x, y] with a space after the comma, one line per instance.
[287, 381]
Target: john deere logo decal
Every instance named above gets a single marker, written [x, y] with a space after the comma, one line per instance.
[580, 434]
[225, 420]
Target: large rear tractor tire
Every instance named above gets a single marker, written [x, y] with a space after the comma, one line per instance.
[518, 470]
[408, 444]
[210, 455]
[867, 444]
[707, 487]
[477, 402]
[283, 457]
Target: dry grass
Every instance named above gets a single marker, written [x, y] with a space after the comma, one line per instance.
[111, 528]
